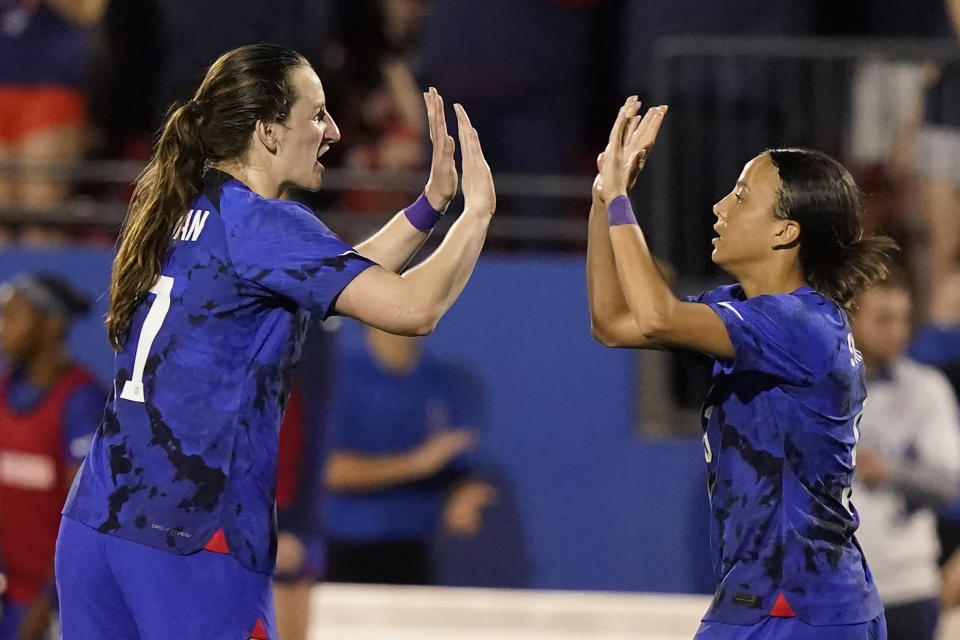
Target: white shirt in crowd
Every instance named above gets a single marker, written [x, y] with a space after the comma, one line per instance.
[911, 420]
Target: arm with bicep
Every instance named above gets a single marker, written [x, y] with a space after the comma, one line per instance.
[357, 471]
[611, 321]
[660, 320]
[413, 303]
[398, 241]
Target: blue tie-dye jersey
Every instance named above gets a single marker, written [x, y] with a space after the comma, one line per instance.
[781, 427]
[188, 441]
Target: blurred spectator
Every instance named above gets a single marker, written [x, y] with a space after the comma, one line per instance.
[521, 65]
[938, 169]
[938, 343]
[49, 409]
[127, 58]
[43, 107]
[300, 549]
[907, 463]
[385, 123]
[397, 468]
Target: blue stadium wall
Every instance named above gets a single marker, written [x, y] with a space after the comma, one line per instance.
[586, 503]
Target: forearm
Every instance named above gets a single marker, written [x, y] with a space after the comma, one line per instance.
[607, 302]
[82, 12]
[394, 244]
[351, 472]
[924, 485]
[437, 282]
[647, 293]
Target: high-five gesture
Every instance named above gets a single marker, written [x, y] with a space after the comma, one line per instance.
[478, 189]
[628, 148]
[442, 183]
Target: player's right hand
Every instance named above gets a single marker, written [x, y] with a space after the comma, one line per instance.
[442, 183]
[441, 448]
[631, 139]
[477, 181]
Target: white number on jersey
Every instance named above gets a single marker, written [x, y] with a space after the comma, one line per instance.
[855, 356]
[133, 388]
[848, 492]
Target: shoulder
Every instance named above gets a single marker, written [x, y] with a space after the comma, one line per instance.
[240, 205]
[266, 231]
[723, 293]
[804, 312]
[240, 201]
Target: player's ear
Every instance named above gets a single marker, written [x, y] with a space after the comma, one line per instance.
[266, 133]
[786, 234]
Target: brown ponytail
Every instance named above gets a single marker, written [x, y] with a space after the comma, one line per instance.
[164, 190]
[859, 266]
[243, 86]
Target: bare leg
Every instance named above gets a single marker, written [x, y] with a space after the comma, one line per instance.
[61, 144]
[7, 193]
[38, 192]
[292, 602]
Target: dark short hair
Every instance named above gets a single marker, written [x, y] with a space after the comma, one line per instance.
[821, 196]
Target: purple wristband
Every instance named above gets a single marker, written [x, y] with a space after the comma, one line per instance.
[620, 211]
[421, 214]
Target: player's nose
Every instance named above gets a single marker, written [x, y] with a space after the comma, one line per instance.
[332, 132]
[716, 209]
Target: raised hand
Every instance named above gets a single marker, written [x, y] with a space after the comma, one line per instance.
[640, 137]
[442, 183]
[477, 183]
[628, 148]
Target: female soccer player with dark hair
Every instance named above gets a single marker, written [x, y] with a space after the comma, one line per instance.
[169, 530]
[781, 416]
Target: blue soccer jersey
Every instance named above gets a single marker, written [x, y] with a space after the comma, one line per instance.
[188, 442]
[781, 428]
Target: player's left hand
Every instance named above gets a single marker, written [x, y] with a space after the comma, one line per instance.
[628, 148]
[871, 468]
[463, 515]
[442, 183]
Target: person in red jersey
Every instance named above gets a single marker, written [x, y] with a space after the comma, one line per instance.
[49, 408]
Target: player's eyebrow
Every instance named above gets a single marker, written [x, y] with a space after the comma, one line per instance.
[742, 185]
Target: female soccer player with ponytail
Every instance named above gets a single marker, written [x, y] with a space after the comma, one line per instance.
[169, 530]
[780, 418]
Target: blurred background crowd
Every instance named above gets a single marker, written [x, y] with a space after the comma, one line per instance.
[537, 459]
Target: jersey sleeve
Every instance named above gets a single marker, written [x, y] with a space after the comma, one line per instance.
[83, 411]
[779, 336]
[284, 250]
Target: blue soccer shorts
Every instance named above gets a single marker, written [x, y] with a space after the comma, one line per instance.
[114, 589]
[793, 629]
